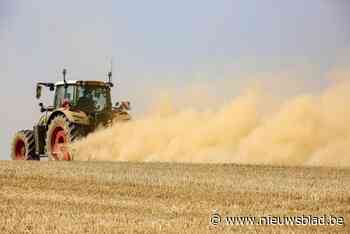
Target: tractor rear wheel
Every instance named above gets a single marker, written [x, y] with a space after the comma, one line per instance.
[60, 133]
[23, 146]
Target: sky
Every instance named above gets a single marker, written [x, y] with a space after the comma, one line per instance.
[163, 42]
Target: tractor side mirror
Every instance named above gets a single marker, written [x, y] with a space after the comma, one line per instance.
[38, 91]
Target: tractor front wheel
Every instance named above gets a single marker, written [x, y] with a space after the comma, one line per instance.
[23, 146]
[60, 133]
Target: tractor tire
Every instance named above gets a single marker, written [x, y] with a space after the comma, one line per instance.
[23, 146]
[61, 132]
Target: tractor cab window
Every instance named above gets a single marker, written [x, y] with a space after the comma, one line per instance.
[64, 94]
[92, 98]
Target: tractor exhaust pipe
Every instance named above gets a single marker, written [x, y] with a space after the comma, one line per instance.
[110, 79]
[110, 74]
[64, 72]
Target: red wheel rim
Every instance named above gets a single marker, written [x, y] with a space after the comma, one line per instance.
[20, 150]
[58, 144]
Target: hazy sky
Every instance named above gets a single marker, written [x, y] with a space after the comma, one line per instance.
[157, 41]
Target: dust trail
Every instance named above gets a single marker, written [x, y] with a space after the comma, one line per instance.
[252, 129]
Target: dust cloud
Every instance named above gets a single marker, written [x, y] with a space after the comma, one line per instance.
[252, 128]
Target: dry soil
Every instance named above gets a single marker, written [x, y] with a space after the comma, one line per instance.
[112, 197]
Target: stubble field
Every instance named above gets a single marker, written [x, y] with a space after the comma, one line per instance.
[112, 197]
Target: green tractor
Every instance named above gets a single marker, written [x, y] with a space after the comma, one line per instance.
[79, 108]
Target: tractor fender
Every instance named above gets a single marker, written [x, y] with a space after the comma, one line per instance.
[73, 116]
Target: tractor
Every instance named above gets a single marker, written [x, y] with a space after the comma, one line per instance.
[79, 108]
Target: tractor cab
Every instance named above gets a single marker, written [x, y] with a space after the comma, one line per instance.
[87, 96]
[78, 108]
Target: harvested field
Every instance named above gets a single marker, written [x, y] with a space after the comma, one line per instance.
[112, 197]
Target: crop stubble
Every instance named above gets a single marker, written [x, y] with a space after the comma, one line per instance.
[105, 197]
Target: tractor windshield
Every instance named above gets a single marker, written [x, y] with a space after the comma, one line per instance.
[64, 94]
[93, 98]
